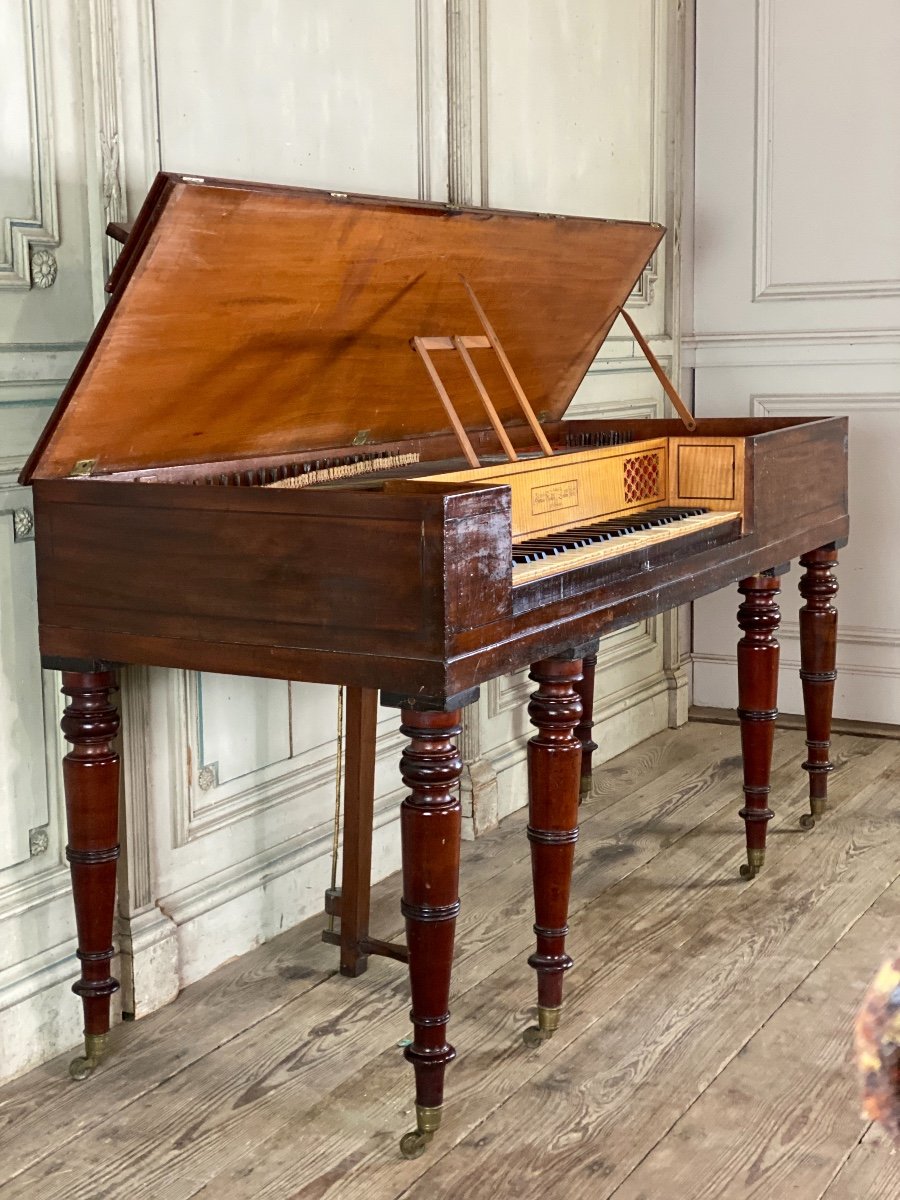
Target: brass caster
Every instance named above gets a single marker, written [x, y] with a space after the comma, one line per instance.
[754, 864]
[548, 1023]
[82, 1068]
[428, 1120]
[413, 1144]
[807, 821]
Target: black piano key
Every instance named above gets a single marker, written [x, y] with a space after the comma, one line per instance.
[616, 528]
[564, 541]
[546, 547]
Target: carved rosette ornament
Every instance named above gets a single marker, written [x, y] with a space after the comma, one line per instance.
[43, 268]
[23, 524]
[208, 777]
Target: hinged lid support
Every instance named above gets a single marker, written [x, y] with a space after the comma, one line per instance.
[668, 387]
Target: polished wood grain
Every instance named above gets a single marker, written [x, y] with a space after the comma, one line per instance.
[708, 471]
[552, 493]
[105, 551]
[430, 823]
[818, 653]
[359, 807]
[757, 668]
[585, 726]
[340, 284]
[90, 724]
[554, 776]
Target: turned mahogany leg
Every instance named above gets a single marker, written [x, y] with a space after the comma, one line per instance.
[430, 833]
[757, 664]
[91, 778]
[818, 650]
[584, 728]
[554, 770]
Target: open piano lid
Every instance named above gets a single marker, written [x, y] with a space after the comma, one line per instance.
[250, 320]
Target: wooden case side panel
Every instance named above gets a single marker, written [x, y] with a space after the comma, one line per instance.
[799, 476]
[346, 582]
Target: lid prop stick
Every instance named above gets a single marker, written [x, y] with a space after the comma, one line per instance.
[677, 403]
[509, 372]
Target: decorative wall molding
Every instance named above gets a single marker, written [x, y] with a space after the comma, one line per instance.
[466, 103]
[135, 877]
[837, 403]
[238, 879]
[765, 289]
[793, 664]
[35, 893]
[200, 810]
[36, 890]
[509, 694]
[851, 635]
[28, 238]
[643, 294]
[106, 130]
[794, 337]
[423, 98]
[870, 347]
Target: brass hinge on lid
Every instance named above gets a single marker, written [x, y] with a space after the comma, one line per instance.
[84, 466]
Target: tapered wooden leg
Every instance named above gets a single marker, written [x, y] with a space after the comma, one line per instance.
[430, 834]
[818, 651]
[554, 772]
[91, 778]
[359, 806]
[757, 663]
[584, 728]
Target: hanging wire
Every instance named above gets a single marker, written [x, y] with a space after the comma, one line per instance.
[338, 782]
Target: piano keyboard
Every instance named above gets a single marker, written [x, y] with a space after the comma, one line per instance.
[565, 549]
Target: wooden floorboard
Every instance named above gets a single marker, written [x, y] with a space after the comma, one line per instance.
[703, 1051]
[870, 1172]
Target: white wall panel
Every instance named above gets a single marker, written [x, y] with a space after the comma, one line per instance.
[796, 305]
[576, 114]
[827, 194]
[796, 180]
[328, 95]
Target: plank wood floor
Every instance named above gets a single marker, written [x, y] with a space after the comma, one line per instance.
[704, 1052]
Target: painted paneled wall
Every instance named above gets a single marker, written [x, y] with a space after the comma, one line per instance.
[796, 303]
[228, 783]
